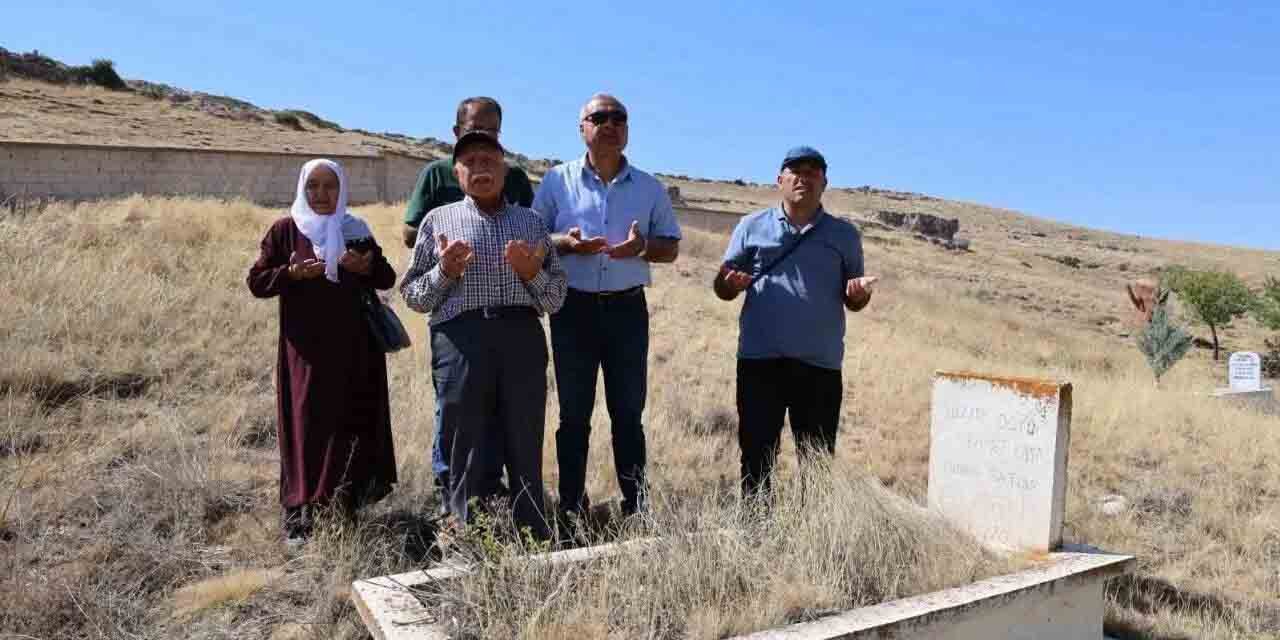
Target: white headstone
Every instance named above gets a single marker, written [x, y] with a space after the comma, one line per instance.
[998, 457]
[1244, 371]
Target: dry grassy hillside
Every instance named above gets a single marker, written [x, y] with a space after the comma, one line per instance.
[35, 111]
[138, 462]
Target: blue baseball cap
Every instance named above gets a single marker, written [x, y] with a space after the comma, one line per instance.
[804, 154]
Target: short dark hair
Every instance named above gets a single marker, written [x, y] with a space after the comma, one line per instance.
[486, 104]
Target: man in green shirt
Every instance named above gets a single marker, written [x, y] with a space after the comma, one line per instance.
[438, 186]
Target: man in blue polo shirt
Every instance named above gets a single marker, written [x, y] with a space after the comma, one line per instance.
[608, 221]
[801, 268]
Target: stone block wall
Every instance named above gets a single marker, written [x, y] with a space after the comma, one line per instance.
[402, 175]
[84, 172]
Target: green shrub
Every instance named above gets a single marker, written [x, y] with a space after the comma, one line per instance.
[152, 91]
[288, 119]
[1163, 343]
[1266, 308]
[315, 119]
[1271, 358]
[101, 72]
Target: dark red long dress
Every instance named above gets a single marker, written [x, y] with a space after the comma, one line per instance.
[331, 382]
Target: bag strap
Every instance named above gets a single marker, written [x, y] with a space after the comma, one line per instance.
[368, 298]
[786, 253]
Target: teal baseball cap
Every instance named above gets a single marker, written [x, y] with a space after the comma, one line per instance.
[804, 154]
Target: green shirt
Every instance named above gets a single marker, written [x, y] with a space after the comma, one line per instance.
[437, 186]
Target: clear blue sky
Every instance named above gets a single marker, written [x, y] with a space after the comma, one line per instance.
[1155, 118]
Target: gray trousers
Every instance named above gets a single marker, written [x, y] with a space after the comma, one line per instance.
[490, 373]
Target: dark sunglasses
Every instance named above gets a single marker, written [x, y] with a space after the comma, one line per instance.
[600, 117]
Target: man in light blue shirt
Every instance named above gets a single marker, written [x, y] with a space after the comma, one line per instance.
[608, 221]
[802, 269]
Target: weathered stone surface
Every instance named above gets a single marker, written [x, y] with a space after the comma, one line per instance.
[1061, 600]
[48, 170]
[1244, 371]
[1260, 400]
[1112, 504]
[998, 457]
[922, 223]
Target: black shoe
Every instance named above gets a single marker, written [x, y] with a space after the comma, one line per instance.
[297, 525]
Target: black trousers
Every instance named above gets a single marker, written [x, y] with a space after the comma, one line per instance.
[593, 333]
[490, 372]
[768, 391]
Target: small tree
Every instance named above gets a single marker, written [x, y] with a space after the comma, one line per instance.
[1267, 306]
[1163, 343]
[1214, 297]
[1267, 313]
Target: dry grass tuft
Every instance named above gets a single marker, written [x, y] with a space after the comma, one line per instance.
[830, 541]
[233, 587]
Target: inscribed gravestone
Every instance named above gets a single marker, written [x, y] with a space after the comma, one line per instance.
[998, 457]
[1244, 371]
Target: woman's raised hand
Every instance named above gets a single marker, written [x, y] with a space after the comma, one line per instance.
[306, 269]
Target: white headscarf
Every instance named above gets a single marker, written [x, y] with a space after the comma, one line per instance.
[324, 232]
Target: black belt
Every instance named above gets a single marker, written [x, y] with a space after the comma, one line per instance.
[609, 294]
[491, 313]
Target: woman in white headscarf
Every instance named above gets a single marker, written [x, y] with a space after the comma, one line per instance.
[332, 402]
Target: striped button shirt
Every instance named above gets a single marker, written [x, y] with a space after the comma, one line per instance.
[488, 281]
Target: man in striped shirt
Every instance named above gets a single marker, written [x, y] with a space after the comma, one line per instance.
[485, 270]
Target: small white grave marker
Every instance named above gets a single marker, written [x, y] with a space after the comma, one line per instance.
[998, 457]
[1244, 371]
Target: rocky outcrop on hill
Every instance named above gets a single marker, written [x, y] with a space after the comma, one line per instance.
[924, 224]
[891, 194]
[40, 67]
[33, 65]
[925, 227]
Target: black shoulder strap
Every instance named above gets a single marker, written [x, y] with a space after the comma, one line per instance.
[787, 252]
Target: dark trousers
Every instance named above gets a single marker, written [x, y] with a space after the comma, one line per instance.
[768, 390]
[491, 385]
[440, 462]
[593, 332]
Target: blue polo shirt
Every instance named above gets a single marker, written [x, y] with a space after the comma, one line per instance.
[572, 195]
[797, 309]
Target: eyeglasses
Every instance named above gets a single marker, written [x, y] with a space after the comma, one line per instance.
[600, 117]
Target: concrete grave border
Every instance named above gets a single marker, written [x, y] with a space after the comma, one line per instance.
[391, 612]
[1061, 598]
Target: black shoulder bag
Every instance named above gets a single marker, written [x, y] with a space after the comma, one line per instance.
[785, 253]
[388, 332]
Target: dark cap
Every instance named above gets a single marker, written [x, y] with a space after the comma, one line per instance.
[804, 154]
[475, 137]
